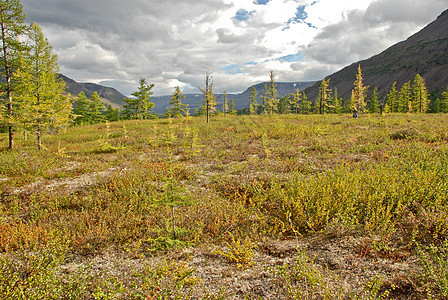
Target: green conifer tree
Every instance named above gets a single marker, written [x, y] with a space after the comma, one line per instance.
[40, 94]
[140, 106]
[374, 104]
[404, 98]
[253, 107]
[95, 113]
[225, 105]
[420, 95]
[265, 99]
[305, 106]
[112, 114]
[81, 108]
[232, 110]
[272, 95]
[12, 29]
[392, 99]
[177, 108]
[444, 102]
[284, 105]
[295, 101]
[435, 106]
[323, 96]
[337, 103]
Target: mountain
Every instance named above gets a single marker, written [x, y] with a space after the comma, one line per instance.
[424, 53]
[109, 95]
[241, 99]
[115, 98]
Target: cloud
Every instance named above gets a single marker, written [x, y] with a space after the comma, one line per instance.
[364, 33]
[238, 41]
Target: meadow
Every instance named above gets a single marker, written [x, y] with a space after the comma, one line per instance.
[245, 207]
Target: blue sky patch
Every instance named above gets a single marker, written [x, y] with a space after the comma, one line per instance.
[243, 15]
[292, 57]
[261, 2]
[232, 69]
[300, 17]
[301, 14]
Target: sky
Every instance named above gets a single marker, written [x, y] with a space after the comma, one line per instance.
[238, 42]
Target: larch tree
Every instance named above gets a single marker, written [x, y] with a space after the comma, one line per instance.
[392, 99]
[210, 99]
[225, 104]
[272, 95]
[12, 26]
[305, 106]
[265, 99]
[323, 95]
[295, 101]
[359, 92]
[420, 95]
[404, 98]
[350, 105]
[253, 107]
[177, 108]
[40, 95]
[232, 110]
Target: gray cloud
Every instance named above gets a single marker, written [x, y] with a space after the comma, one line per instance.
[365, 33]
[169, 42]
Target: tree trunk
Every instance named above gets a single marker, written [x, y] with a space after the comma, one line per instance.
[39, 140]
[208, 112]
[11, 137]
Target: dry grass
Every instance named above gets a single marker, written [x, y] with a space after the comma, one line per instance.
[281, 207]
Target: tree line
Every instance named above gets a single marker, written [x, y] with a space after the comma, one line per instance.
[411, 97]
[33, 97]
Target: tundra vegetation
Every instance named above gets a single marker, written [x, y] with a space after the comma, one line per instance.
[278, 204]
[264, 206]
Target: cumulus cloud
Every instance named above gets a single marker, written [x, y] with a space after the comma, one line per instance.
[173, 42]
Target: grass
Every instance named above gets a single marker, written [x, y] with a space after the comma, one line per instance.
[147, 190]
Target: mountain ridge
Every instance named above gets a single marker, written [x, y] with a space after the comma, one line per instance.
[424, 53]
[116, 99]
[241, 99]
[108, 95]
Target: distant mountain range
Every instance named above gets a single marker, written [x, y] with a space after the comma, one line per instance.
[241, 100]
[115, 98]
[424, 53]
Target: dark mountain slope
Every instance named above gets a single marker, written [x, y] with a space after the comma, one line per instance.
[424, 53]
[108, 94]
